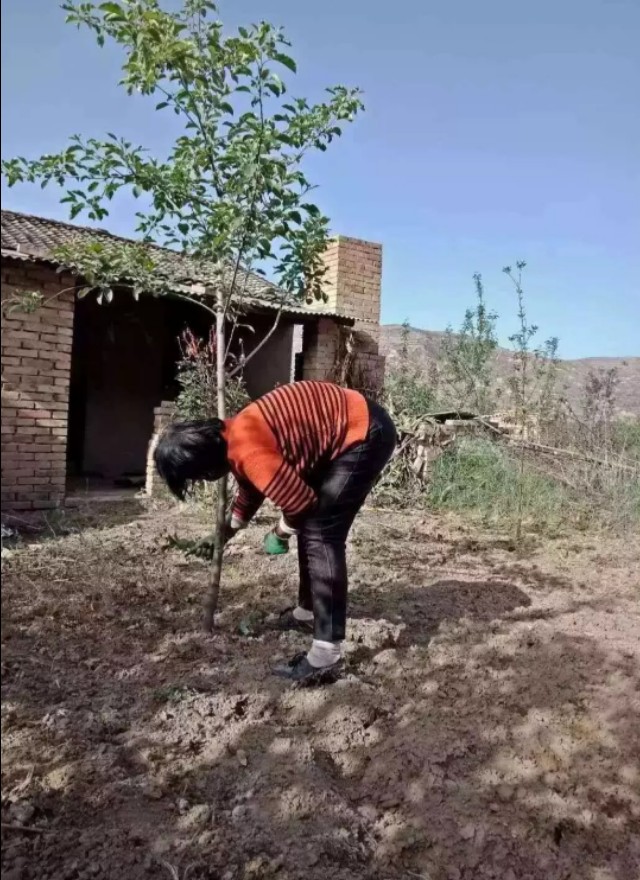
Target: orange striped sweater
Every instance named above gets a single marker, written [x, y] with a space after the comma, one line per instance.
[275, 443]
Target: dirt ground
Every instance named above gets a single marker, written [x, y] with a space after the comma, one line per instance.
[487, 726]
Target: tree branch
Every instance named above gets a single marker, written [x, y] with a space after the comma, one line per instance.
[263, 341]
[254, 194]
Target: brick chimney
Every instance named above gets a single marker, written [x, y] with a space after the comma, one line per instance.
[352, 286]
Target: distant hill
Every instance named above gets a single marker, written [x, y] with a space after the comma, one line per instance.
[424, 347]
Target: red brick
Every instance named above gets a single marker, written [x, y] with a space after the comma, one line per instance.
[51, 422]
[17, 455]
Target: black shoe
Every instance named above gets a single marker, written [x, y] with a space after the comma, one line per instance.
[299, 671]
[286, 622]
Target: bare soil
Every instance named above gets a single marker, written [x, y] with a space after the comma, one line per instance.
[487, 726]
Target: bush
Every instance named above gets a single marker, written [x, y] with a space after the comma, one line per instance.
[559, 466]
[407, 397]
[466, 368]
[626, 438]
[490, 482]
[480, 477]
[198, 396]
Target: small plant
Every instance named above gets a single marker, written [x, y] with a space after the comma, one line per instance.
[23, 301]
[198, 399]
[466, 359]
[532, 383]
[406, 394]
[480, 477]
[408, 399]
[598, 408]
[626, 438]
[197, 378]
[172, 693]
[10, 538]
[249, 626]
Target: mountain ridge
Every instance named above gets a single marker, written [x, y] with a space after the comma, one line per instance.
[424, 347]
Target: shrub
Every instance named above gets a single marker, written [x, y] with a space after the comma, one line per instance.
[466, 368]
[198, 396]
[480, 477]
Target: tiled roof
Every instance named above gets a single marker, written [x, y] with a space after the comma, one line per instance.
[35, 239]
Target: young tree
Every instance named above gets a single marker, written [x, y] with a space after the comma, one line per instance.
[408, 395]
[466, 357]
[533, 382]
[231, 193]
[598, 408]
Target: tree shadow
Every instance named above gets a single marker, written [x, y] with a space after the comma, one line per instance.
[422, 609]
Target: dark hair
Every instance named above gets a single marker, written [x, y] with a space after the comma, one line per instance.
[190, 451]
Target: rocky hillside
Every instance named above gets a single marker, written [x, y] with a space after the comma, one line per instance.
[425, 345]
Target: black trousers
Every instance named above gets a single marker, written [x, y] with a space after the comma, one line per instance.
[342, 487]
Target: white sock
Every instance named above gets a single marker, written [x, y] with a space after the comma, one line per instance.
[302, 614]
[324, 653]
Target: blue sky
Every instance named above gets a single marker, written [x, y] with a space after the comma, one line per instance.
[494, 131]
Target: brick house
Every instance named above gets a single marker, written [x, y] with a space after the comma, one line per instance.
[86, 387]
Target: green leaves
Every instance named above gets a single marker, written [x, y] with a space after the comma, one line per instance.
[286, 61]
[105, 265]
[231, 190]
[14, 170]
[467, 358]
[112, 10]
[22, 302]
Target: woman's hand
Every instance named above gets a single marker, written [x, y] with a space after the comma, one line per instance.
[284, 530]
[277, 541]
[276, 544]
[284, 536]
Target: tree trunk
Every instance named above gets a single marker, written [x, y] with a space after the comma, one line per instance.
[221, 511]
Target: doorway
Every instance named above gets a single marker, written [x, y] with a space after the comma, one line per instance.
[116, 381]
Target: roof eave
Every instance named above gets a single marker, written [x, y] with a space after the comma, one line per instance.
[305, 316]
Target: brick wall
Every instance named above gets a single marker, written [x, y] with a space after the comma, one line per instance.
[353, 280]
[352, 286]
[36, 365]
[320, 342]
[162, 416]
